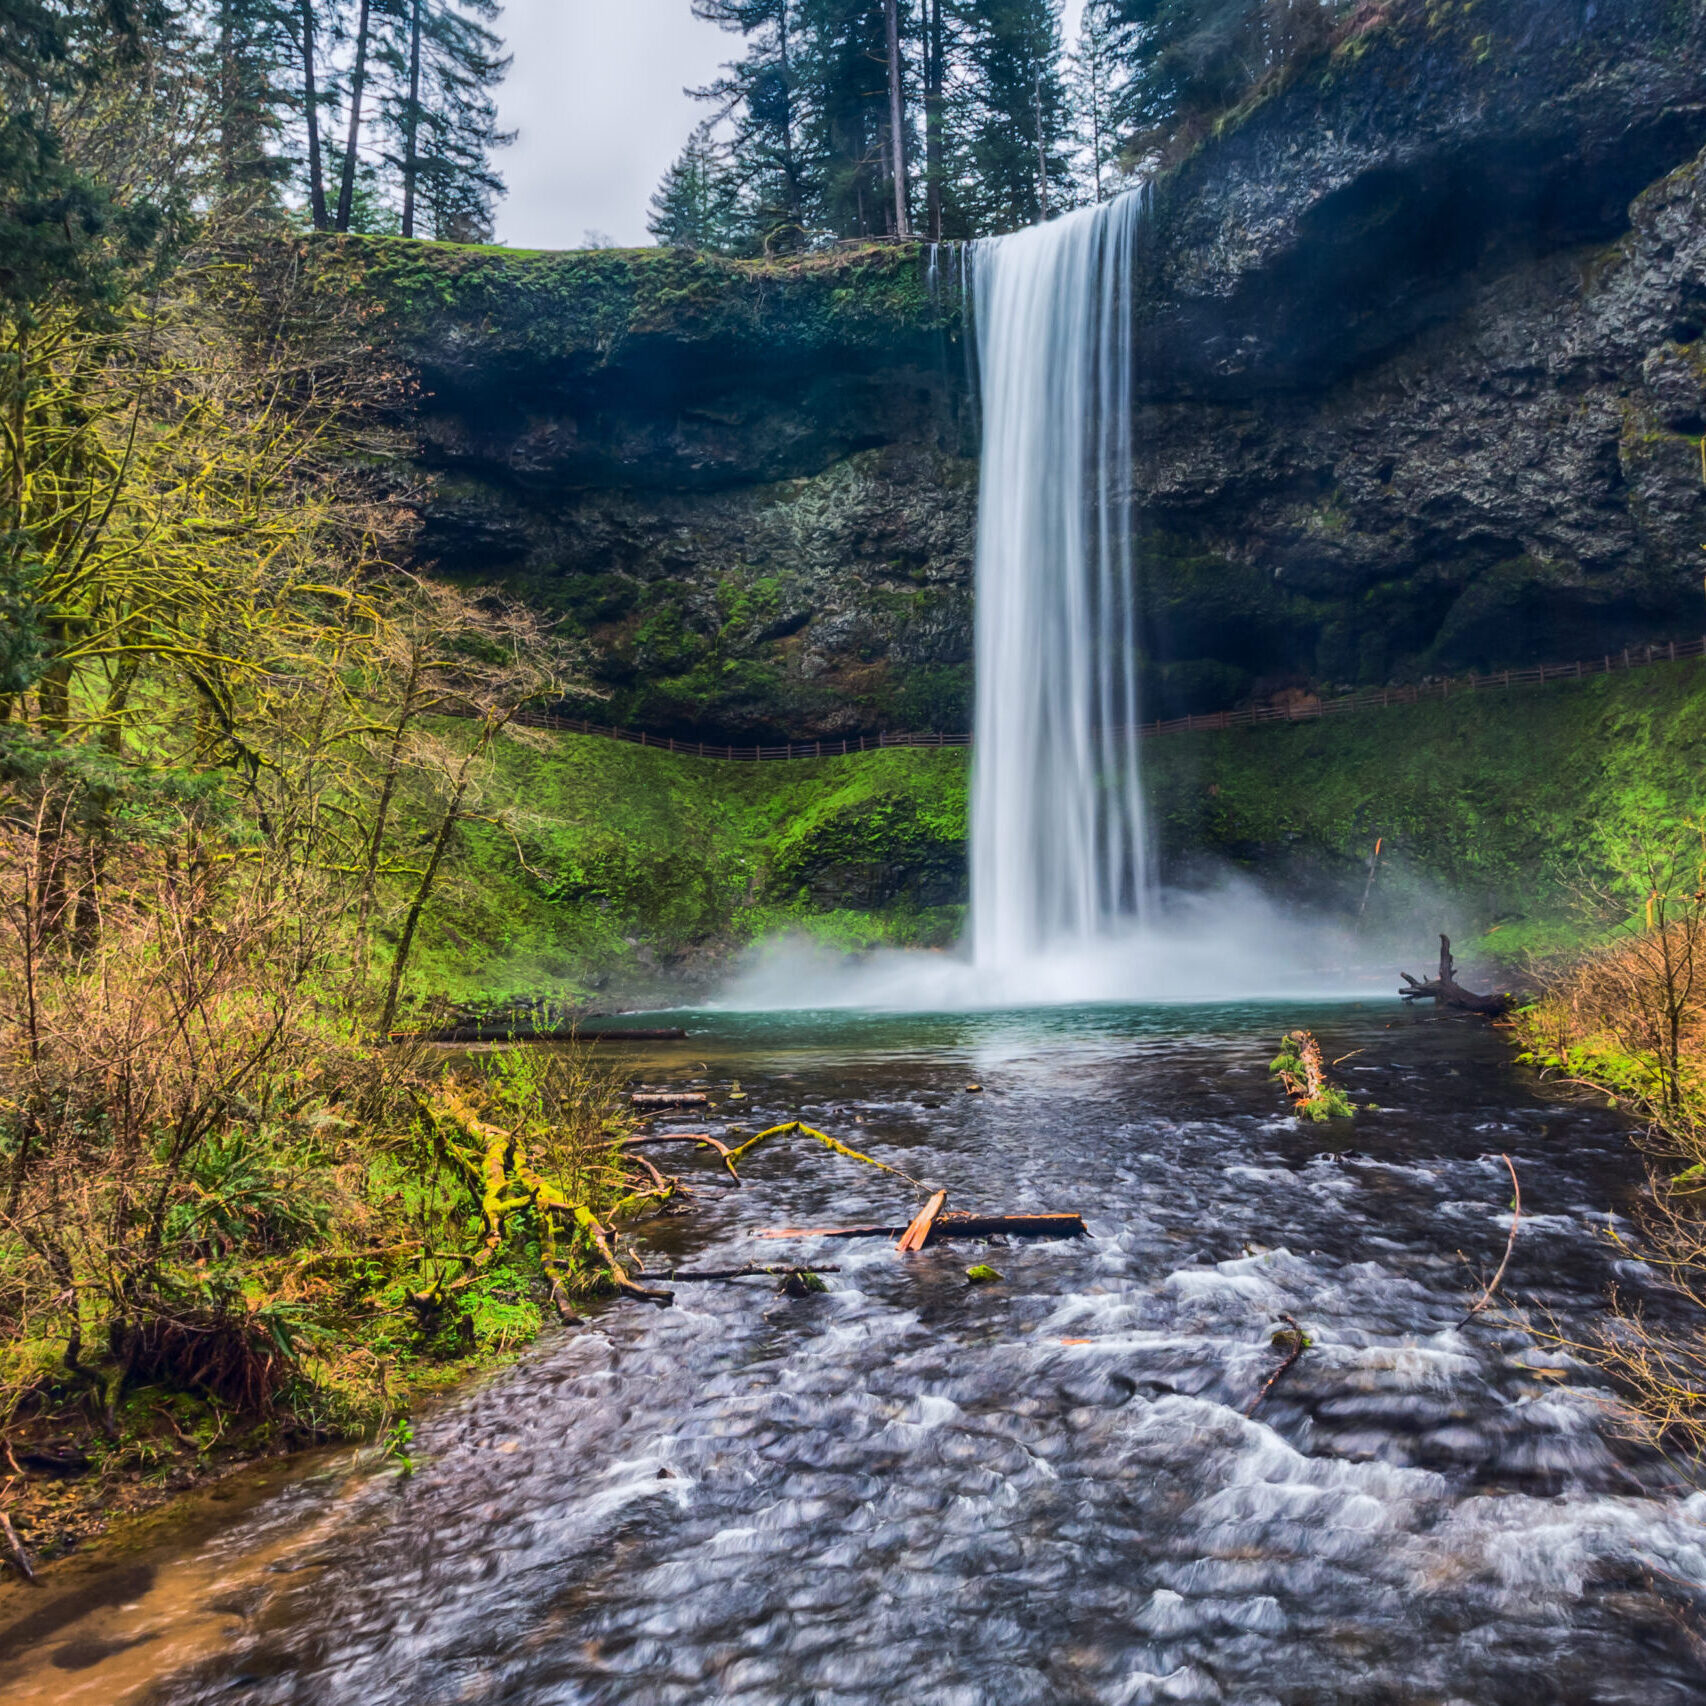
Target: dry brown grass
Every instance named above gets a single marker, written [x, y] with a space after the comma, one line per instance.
[1629, 1020]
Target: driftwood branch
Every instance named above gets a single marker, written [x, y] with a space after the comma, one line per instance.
[15, 1548]
[1448, 992]
[829, 1142]
[702, 1138]
[1486, 1297]
[750, 1271]
[618, 1271]
[649, 1099]
[661, 1186]
[521, 1032]
[1299, 1344]
[916, 1235]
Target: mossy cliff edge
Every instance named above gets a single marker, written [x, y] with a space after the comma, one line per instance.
[1421, 390]
[749, 485]
[646, 873]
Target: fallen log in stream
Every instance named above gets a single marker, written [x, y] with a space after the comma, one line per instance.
[524, 1033]
[703, 1138]
[951, 1226]
[683, 1276]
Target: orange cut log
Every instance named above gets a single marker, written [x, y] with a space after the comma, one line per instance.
[913, 1237]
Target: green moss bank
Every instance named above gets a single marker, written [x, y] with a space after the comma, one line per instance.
[1497, 812]
[621, 871]
[624, 872]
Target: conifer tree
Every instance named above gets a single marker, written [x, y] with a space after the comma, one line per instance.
[758, 97]
[1193, 57]
[1095, 84]
[826, 106]
[310, 42]
[439, 115]
[697, 206]
[1015, 119]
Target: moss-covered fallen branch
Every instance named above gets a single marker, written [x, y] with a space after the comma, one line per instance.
[1298, 1067]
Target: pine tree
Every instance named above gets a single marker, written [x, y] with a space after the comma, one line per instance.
[1095, 89]
[697, 206]
[358, 94]
[439, 116]
[310, 41]
[935, 45]
[847, 114]
[1016, 116]
[1194, 57]
[825, 106]
[895, 73]
[758, 98]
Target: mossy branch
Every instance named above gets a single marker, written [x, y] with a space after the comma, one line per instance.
[824, 1138]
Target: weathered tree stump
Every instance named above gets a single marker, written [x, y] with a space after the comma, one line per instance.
[1446, 990]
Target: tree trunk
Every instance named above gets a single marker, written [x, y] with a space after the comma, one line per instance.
[935, 77]
[423, 889]
[790, 166]
[1042, 158]
[311, 116]
[358, 84]
[411, 123]
[381, 815]
[897, 120]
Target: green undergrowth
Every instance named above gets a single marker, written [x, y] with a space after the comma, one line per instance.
[364, 1230]
[621, 867]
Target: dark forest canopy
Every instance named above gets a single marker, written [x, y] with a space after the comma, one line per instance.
[955, 118]
[349, 115]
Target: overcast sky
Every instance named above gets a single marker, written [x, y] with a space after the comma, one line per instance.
[596, 97]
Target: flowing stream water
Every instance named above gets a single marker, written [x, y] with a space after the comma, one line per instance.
[1040, 1490]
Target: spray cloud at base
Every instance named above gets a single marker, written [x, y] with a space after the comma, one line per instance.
[1226, 942]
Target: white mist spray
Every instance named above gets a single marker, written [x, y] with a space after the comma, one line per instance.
[1059, 853]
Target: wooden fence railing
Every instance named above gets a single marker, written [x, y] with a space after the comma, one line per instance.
[1298, 711]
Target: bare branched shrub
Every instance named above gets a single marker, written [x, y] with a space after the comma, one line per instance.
[125, 1054]
[1630, 1019]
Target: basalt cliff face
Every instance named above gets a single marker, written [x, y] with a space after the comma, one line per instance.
[1423, 385]
[750, 486]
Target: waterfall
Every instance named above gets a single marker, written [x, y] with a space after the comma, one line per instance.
[1064, 903]
[1059, 853]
